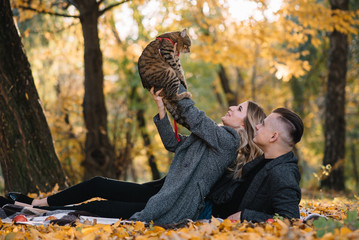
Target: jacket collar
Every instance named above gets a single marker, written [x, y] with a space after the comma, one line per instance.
[288, 157]
[252, 164]
[285, 158]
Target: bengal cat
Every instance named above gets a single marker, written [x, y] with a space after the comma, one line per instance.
[159, 67]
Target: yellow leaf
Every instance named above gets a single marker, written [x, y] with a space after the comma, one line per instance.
[214, 222]
[11, 236]
[328, 236]
[353, 235]
[344, 231]
[206, 228]
[226, 224]
[139, 226]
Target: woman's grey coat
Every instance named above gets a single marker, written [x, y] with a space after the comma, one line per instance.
[200, 160]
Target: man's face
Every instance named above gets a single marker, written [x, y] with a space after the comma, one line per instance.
[265, 130]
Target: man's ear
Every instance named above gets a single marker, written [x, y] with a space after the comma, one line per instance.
[274, 137]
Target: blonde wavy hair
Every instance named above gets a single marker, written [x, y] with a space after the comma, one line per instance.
[248, 150]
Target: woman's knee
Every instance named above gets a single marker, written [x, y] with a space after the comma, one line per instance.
[97, 181]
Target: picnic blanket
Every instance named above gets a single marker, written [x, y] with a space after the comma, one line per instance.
[35, 216]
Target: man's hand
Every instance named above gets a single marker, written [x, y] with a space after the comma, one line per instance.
[236, 216]
[158, 99]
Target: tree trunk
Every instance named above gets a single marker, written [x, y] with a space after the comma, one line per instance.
[298, 95]
[253, 81]
[27, 155]
[240, 85]
[145, 136]
[147, 144]
[99, 153]
[355, 167]
[125, 160]
[231, 97]
[218, 97]
[334, 128]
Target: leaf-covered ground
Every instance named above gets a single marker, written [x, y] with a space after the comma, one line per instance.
[342, 223]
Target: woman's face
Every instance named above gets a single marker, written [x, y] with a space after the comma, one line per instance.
[235, 116]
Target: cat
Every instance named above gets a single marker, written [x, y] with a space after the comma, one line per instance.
[159, 67]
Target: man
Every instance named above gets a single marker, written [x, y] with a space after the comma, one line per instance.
[274, 187]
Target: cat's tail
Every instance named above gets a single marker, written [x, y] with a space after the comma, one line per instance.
[172, 108]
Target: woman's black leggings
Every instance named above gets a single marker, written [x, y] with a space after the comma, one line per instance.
[123, 199]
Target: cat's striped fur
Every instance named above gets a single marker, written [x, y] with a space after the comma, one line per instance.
[159, 67]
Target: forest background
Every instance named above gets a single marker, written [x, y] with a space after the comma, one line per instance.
[299, 54]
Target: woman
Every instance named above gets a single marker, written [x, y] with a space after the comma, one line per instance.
[200, 159]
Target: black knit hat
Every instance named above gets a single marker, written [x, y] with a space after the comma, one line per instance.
[294, 120]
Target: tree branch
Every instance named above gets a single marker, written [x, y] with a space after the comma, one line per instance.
[45, 12]
[111, 6]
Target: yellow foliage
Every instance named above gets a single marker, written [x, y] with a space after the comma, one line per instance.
[194, 230]
[228, 42]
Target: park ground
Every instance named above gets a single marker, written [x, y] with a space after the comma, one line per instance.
[340, 209]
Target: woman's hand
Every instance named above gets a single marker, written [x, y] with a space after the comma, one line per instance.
[156, 96]
[158, 99]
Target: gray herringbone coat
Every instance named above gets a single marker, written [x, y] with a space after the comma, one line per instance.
[200, 160]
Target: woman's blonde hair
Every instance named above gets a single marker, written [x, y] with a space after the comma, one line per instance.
[248, 150]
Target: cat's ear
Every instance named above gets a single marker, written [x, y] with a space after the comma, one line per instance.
[184, 32]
